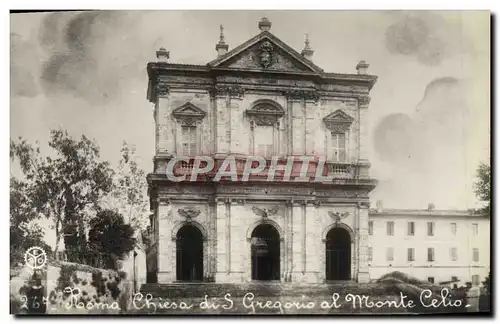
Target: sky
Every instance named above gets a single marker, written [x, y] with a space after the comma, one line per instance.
[429, 113]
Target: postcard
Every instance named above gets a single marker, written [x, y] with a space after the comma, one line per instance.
[250, 162]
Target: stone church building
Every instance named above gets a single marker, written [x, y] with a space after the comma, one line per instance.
[261, 98]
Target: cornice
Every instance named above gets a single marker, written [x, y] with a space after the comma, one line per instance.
[205, 77]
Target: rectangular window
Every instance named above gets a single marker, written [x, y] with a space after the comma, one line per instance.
[411, 254]
[474, 229]
[390, 228]
[430, 279]
[188, 140]
[454, 278]
[370, 253]
[390, 254]
[475, 254]
[453, 254]
[339, 147]
[430, 228]
[264, 141]
[430, 254]
[454, 228]
[411, 228]
[370, 227]
[475, 280]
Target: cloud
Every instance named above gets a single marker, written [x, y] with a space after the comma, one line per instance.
[81, 63]
[22, 78]
[425, 36]
[392, 138]
[437, 127]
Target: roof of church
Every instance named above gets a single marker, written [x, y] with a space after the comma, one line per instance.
[263, 53]
[265, 35]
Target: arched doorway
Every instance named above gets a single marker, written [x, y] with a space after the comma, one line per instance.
[189, 254]
[265, 245]
[338, 254]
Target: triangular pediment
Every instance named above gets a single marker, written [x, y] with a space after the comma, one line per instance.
[265, 52]
[338, 121]
[188, 110]
[338, 116]
[189, 114]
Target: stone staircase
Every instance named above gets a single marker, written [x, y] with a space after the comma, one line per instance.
[268, 298]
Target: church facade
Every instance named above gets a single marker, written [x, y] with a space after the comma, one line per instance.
[262, 98]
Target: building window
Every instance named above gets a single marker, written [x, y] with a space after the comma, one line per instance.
[453, 254]
[475, 280]
[264, 140]
[339, 147]
[430, 279]
[474, 229]
[411, 254]
[475, 254]
[411, 228]
[370, 227]
[430, 228]
[390, 228]
[370, 253]
[454, 228]
[430, 254]
[390, 254]
[188, 140]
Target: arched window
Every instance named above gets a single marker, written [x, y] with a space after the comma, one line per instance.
[264, 116]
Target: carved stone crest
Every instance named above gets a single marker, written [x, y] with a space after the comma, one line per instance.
[189, 213]
[266, 54]
[265, 212]
[337, 217]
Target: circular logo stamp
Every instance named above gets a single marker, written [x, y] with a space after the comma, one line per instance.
[35, 257]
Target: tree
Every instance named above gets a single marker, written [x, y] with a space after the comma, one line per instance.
[487, 284]
[483, 187]
[67, 187]
[24, 231]
[110, 236]
[129, 193]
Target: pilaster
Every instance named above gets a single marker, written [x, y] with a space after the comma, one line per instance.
[363, 270]
[222, 239]
[364, 126]
[166, 244]
[312, 247]
[298, 241]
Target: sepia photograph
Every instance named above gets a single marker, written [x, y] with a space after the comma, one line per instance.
[250, 162]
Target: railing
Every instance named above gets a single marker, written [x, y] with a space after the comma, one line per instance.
[332, 170]
[340, 170]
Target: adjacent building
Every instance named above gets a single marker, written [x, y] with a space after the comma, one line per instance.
[449, 247]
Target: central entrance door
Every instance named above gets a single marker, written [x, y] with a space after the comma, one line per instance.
[338, 254]
[265, 253]
[189, 256]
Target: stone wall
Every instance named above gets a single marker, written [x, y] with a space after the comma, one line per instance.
[80, 289]
[226, 129]
[227, 228]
